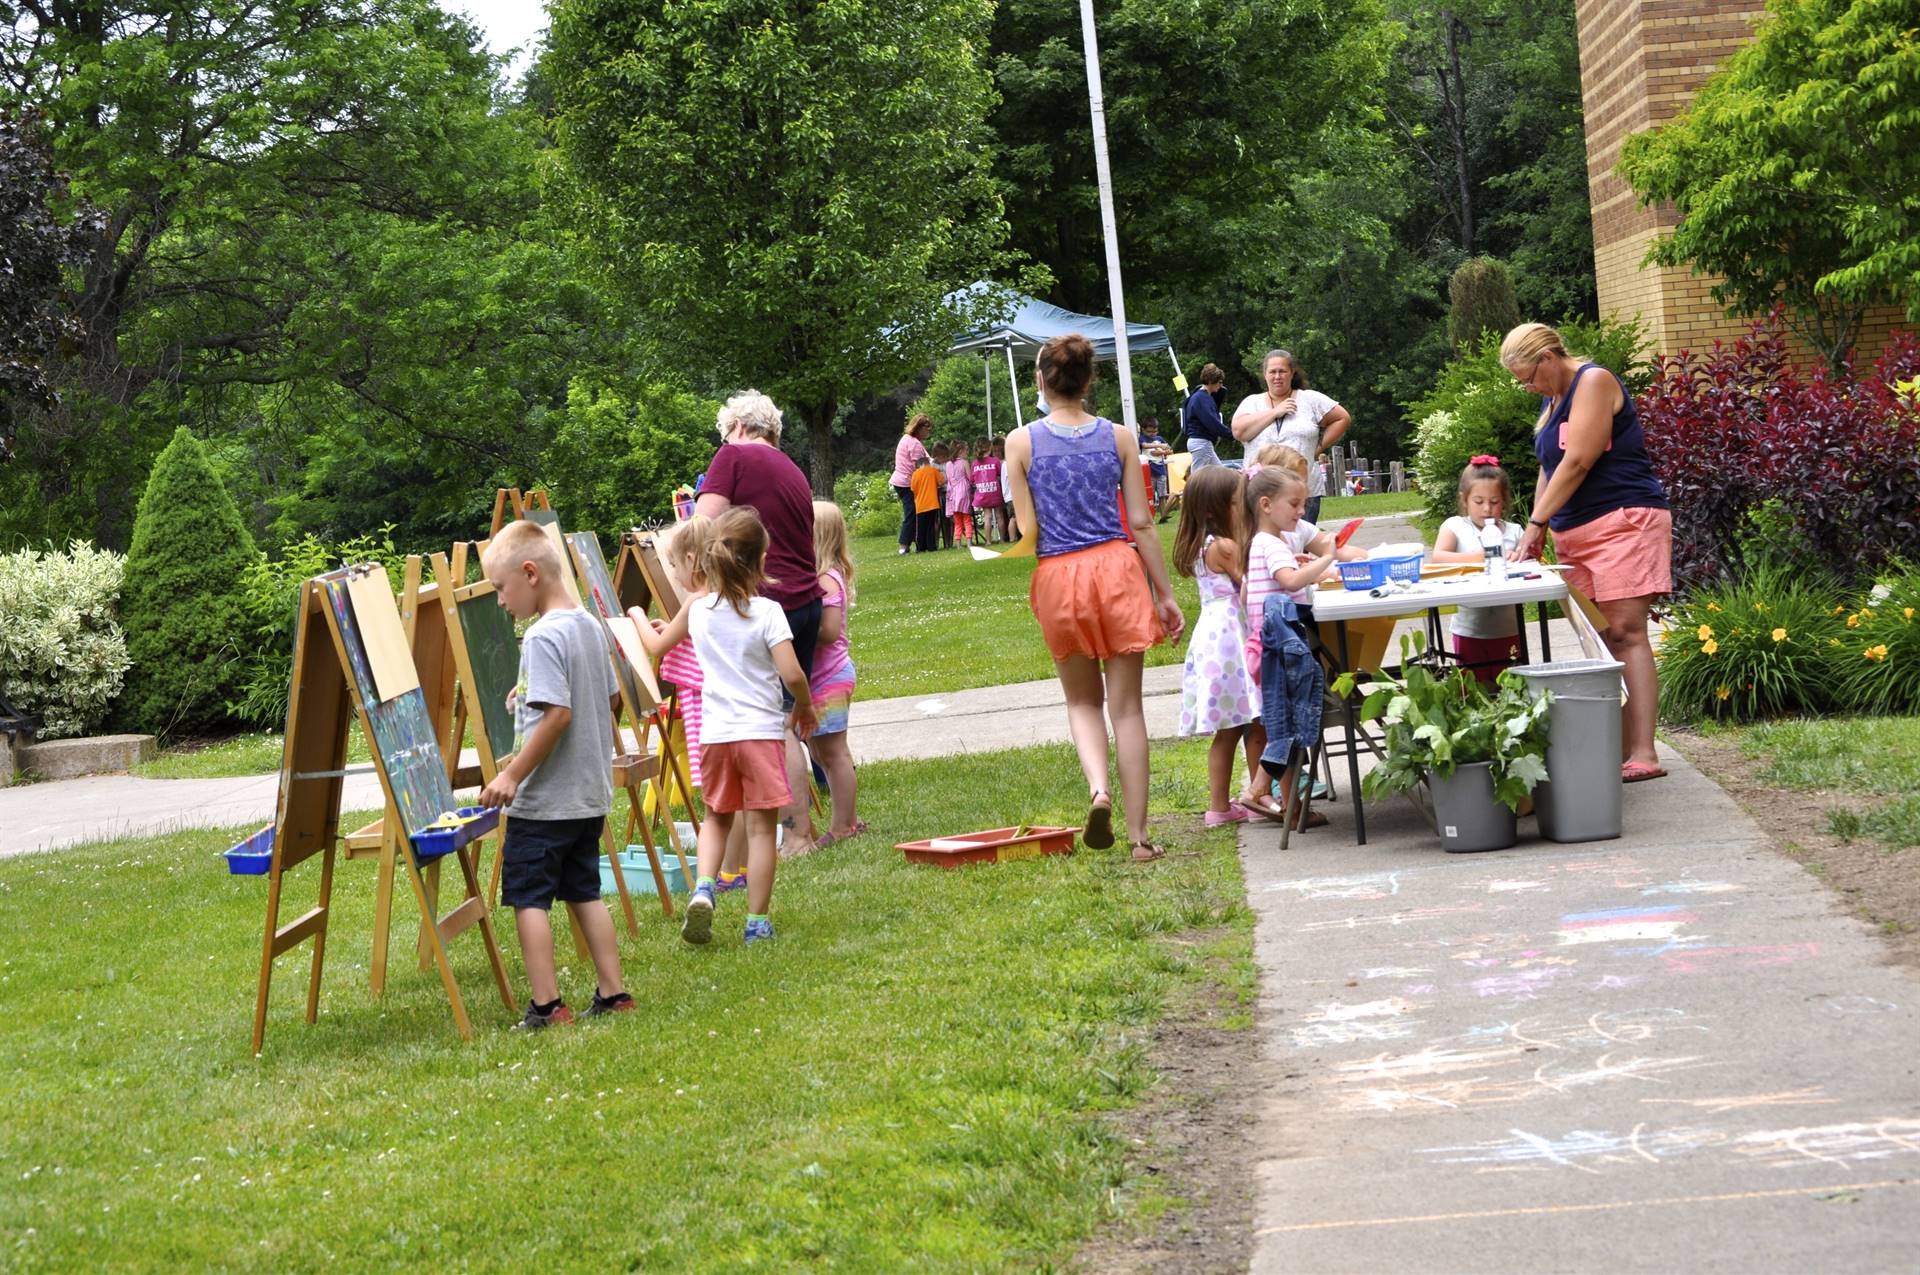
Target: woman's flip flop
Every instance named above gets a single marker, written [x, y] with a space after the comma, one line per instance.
[1632, 772]
[1099, 830]
[1147, 852]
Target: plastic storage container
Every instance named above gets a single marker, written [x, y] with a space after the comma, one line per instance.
[252, 857]
[436, 843]
[1371, 573]
[1580, 801]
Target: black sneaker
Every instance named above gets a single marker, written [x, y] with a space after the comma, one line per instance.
[558, 1016]
[618, 1003]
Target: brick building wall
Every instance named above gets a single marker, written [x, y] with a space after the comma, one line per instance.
[1640, 62]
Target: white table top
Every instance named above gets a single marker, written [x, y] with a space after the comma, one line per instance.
[1331, 606]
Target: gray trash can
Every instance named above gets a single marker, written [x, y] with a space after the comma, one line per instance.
[1581, 799]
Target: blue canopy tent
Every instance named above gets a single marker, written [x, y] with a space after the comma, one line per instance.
[1032, 323]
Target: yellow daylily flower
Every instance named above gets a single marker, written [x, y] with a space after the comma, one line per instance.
[1876, 653]
[1908, 612]
[1710, 646]
[1760, 607]
[1833, 641]
[1779, 635]
[1705, 632]
[1713, 606]
[1853, 621]
[1722, 692]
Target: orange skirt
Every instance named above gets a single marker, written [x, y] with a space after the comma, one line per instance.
[1094, 602]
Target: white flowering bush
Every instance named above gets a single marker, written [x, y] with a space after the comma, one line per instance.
[62, 652]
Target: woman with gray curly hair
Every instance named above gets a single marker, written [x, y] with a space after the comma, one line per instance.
[751, 470]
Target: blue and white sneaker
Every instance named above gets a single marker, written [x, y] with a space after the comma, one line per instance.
[757, 930]
[1322, 790]
[698, 926]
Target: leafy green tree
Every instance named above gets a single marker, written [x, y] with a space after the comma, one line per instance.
[956, 397]
[617, 456]
[323, 237]
[789, 192]
[1794, 169]
[183, 601]
[37, 246]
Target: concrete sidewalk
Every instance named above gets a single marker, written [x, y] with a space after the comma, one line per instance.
[1672, 1051]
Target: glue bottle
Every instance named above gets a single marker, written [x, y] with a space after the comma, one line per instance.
[1493, 545]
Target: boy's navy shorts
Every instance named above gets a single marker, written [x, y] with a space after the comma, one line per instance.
[548, 859]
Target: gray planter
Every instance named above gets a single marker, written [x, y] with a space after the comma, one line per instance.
[1465, 812]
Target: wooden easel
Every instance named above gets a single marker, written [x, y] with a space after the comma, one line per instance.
[331, 679]
[510, 503]
[639, 772]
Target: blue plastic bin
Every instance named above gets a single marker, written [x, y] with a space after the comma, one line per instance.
[252, 857]
[1371, 573]
[436, 843]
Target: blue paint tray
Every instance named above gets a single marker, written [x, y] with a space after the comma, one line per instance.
[475, 822]
[252, 857]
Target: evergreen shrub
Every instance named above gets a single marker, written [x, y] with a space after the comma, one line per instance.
[1481, 300]
[62, 652]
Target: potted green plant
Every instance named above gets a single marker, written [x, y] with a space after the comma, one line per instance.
[1478, 753]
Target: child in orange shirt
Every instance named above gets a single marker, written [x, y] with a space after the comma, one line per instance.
[926, 506]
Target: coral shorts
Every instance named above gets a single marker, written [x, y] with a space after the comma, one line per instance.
[1094, 602]
[745, 774]
[1624, 554]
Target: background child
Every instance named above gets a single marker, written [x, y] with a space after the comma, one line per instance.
[943, 463]
[1216, 693]
[1155, 451]
[1486, 639]
[558, 783]
[832, 679]
[926, 503]
[960, 495]
[746, 654]
[989, 502]
[1287, 555]
[1003, 514]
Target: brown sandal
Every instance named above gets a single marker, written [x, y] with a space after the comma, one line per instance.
[1147, 852]
[1098, 833]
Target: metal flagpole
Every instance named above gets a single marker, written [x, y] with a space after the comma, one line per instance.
[1014, 381]
[986, 365]
[1105, 175]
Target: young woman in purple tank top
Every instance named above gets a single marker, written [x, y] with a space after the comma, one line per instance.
[1612, 526]
[1097, 612]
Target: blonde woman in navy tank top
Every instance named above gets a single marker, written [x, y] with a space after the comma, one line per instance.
[1612, 526]
[1097, 612]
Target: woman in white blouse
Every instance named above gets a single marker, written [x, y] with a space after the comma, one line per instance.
[1290, 414]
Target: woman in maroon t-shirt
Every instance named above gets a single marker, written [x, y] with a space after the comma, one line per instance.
[751, 470]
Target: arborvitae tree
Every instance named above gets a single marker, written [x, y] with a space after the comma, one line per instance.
[1481, 291]
[181, 602]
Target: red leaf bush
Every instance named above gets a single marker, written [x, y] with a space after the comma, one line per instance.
[1764, 462]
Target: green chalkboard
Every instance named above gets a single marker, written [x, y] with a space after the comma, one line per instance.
[495, 653]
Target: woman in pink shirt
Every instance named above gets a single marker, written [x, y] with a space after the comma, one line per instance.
[907, 455]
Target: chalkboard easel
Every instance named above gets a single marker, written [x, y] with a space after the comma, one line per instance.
[333, 680]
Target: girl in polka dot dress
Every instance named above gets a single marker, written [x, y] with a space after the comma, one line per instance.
[1217, 694]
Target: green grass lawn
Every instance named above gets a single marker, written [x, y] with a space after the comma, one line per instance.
[1878, 757]
[928, 623]
[252, 753]
[914, 1076]
[1370, 505]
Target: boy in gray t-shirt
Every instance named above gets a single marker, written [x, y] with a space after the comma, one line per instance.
[558, 784]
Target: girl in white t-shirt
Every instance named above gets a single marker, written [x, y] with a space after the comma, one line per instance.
[1486, 639]
[746, 655]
